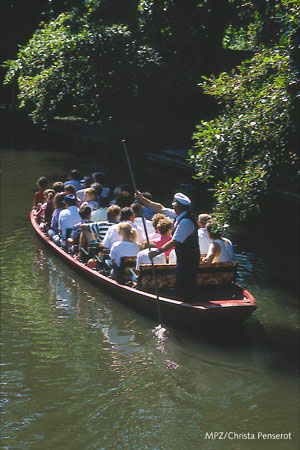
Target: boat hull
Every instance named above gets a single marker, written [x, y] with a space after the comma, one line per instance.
[173, 312]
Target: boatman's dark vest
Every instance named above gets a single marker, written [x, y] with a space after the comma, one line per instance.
[188, 252]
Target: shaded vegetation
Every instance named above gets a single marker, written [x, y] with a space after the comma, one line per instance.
[101, 59]
[255, 137]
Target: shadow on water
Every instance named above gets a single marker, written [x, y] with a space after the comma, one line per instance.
[72, 296]
[277, 343]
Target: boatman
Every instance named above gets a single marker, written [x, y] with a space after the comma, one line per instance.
[185, 241]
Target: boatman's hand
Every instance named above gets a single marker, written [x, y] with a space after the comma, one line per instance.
[138, 196]
[153, 253]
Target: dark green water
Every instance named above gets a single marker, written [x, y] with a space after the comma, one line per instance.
[82, 371]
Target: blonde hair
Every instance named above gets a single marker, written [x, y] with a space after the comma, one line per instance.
[49, 194]
[126, 231]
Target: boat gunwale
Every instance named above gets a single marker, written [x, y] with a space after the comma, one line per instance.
[250, 301]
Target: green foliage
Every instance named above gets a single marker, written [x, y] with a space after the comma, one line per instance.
[262, 22]
[72, 63]
[241, 149]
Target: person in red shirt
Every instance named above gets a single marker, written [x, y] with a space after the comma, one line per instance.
[42, 183]
[164, 228]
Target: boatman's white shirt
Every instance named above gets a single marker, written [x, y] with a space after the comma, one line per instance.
[185, 227]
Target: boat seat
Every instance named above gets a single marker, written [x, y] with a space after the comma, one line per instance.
[127, 263]
[208, 274]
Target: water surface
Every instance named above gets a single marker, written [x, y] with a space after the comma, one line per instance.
[82, 371]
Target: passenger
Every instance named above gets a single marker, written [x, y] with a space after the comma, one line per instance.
[67, 218]
[164, 228]
[74, 177]
[99, 178]
[90, 199]
[155, 219]
[123, 196]
[58, 207]
[98, 188]
[70, 190]
[85, 214]
[112, 234]
[143, 258]
[126, 246]
[96, 231]
[46, 210]
[148, 213]
[172, 257]
[86, 183]
[204, 241]
[42, 183]
[101, 213]
[136, 207]
[58, 186]
[220, 249]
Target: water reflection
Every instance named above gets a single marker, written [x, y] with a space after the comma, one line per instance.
[81, 370]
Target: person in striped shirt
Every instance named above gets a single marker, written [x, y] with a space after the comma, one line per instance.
[95, 231]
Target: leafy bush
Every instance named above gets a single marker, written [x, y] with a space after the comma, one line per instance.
[72, 63]
[256, 132]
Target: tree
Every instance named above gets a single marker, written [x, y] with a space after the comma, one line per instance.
[245, 147]
[72, 63]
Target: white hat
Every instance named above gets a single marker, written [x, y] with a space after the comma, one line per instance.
[181, 198]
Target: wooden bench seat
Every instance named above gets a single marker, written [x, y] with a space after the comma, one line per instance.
[208, 274]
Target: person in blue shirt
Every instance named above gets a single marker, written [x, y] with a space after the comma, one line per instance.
[74, 179]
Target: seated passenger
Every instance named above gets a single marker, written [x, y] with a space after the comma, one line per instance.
[45, 212]
[90, 199]
[136, 208]
[122, 196]
[101, 213]
[98, 189]
[86, 183]
[164, 228]
[143, 258]
[155, 219]
[172, 257]
[95, 231]
[99, 178]
[74, 177]
[58, 186]
[58, 207]
[112, 234]
[126, 246]
[67, 218]
[148, 212]
[70, 190]
[220, 249]
[85, 214]
[42, 183]
[204, 241]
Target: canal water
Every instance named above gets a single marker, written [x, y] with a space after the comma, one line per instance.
[82, 371]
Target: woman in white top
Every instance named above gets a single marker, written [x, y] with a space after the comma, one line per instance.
[220, 249]
[127, 246]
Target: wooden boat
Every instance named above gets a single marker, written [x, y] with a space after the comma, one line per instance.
[219, 299]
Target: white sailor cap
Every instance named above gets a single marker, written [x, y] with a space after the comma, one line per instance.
[181, 198]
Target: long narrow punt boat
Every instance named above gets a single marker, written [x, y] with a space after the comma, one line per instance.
[219, 300]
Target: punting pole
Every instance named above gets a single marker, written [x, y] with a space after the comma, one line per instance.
[145, 229]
